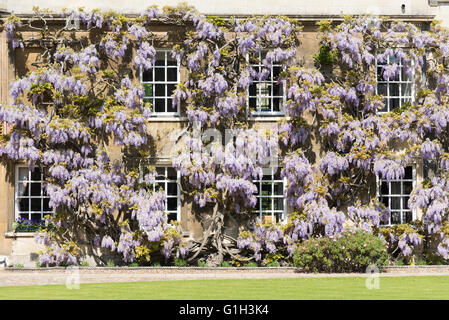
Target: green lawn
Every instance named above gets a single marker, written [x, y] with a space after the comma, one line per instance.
[422, 287]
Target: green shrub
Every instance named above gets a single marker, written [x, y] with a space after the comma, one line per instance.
[400, 262]
[84, 264]
[252, 264]
[421, 262]
[325, 56]
[273, 264]
[351, 251]
[180, 262]
[110, 263]
[156, 264]
[202, 263]
[19, 265]
[226, 264]
[134, 264]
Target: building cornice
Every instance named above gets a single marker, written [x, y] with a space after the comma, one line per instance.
[302, 17]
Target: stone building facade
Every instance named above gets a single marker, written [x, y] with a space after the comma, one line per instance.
[20, 190]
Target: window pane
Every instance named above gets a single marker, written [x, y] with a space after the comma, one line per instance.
[36, 217]
[395, 187]
[35, 189]
[277, 90]
[266, 204]
[159, 74]
[278, 217]
[405, 76]
[277, 173]
[170, 106]
[252, 103]
[396, 203]
[382, 89]
[170, 89]
[170, 60]
[46, 206]
[266, 188]
[159, 105]
[148, 88]
[36, 175]
[159, 90]
[406, 89]
[408, 173]
[252, 90]
[276, 72]
[172, 204]
[23, 189]
[36, 204]
[395, 217]
[172, 74]
[407, 217]
[278, 203]
[405, 203]
[172, 189]
[380, 74]
[171, 173]
[258, 188]
[147, 75]
[160, 186]
[23, 174]
[24, 204]
[385, 201]
[394, 103]
[172, 217]
[394, 90]
[277, 104]
[385, 188]
[160, 58]
[408, 186]
[160, 171]
[278, 188]
[385, 108]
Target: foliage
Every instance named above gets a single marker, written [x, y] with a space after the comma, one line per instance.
[403, 239]
[110, 263]
[70, 115]
[25, 225]
[351, 251]
[325, 56]
[251, 264]
[77, 104]
[180, 262]
[202, 263]
[226, 264]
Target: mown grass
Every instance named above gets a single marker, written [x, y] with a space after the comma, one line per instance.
[419, 287]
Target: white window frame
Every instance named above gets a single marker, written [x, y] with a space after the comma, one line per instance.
[165, 83]
[282, 83]
[272, 196]
[401, 196]
[400, 82]
[165, 181]
[17, 196]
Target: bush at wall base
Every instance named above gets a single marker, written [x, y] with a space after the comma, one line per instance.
[350, 251]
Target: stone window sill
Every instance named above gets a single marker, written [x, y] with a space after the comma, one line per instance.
[15, 235]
